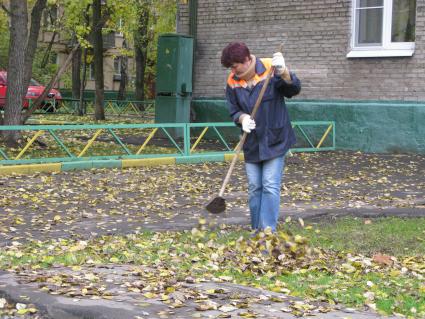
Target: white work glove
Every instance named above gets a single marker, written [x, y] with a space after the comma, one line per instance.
[248, 124]
[279, 63]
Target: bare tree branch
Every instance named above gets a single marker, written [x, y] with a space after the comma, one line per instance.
[47, 89]
[34, 31]
[48, 50]
[5, 9]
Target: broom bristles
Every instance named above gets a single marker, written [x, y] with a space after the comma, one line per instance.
[217, 205]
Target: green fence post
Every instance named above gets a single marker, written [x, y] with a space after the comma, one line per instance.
[186, 139]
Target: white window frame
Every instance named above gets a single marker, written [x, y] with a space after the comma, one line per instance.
[388, 48]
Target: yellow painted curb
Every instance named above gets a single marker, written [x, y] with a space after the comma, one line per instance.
[229, 157]
[30, 168]
[148, 162]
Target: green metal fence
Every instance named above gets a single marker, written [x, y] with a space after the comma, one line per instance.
[64, 143]
[111, 107]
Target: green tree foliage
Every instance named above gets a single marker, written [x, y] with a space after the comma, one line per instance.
[162, 18]
[4, 39]
[44, 74]
[123, 18]
[163, 21]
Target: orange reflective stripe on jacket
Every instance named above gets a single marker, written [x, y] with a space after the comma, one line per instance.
[235, 82]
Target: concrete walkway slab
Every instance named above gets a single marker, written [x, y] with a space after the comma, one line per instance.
[228, 300]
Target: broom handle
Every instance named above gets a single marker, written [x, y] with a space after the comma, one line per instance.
[243, 138]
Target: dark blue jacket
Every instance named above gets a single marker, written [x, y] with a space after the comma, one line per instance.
[273, 135]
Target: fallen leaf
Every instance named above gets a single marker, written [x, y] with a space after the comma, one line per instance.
[382, 259]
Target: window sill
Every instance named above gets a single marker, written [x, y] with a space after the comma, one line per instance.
[379, 53]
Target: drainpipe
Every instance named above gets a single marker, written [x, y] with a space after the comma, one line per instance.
[193, 18]
[193, 27]
[177, 26]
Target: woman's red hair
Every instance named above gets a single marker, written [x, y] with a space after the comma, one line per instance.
[235, 52]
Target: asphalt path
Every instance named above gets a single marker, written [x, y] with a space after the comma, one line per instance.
[85, 204]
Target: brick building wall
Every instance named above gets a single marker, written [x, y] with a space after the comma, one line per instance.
[316, 34]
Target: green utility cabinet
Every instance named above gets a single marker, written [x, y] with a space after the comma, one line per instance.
[174, 67]
[172, 109]
[174, 80]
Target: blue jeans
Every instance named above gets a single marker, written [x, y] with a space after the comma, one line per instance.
[264, 180]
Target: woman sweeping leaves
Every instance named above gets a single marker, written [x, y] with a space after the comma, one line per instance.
[270, 134]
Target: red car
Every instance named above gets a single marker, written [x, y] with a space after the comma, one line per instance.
[35, 89]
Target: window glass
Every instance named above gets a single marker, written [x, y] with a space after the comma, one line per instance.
[117, 65]
[53, 58]
[50, 16]
[369, 26]
[34, 83]
[383, 28]
[403, 21]
[91, 71]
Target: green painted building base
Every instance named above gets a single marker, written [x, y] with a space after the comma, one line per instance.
[368, 126]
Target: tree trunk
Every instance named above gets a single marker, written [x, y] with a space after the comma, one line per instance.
[32, 41]
[21, 55]
[76, 79]
[99, 113]
[140, 47]
[16, 87]
[48, 50]
[81, 106]
[123, 73]
[123, 79]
